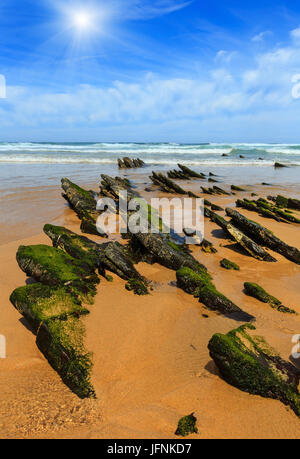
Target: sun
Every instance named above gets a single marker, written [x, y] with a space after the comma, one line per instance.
[82, 20]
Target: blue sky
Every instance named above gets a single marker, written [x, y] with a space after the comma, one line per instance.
[141, 70]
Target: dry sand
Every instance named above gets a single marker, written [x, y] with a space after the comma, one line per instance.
[151, 362]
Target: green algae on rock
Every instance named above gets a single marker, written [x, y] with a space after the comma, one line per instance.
[54, 316]
[39, 303]
[263, 236]
[240, 237]
[237, 188]
[84, 203]
[248, 363]
[268, 210]
[137, 286]
[286, 203]
[260, 294]
[187, 426]
[207, 247]
[255, 250]
[111, 256]
[230, 265]
[200, 285]
[54, 267]
[62, 343]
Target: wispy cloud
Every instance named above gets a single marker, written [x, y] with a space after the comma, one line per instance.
[147, 9]
[261, 36]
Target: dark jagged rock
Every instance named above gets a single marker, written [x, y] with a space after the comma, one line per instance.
[190, 173]
[111, 256]
[279, 165]
[249, 245]
[168, 185]
[237, 188]
[216, 208]
[260, 294]
[127, 163]
[178, 175]
[79, 247]
[248, 363]
[207, 190]
[219, 190]
[83, 203]
[266, 209]
[207, 247]
[230, 265]
[53, 267]
[211, 180]
[200, 285]
[137, 286]
[215, 190]
[187, 426]
[263, 236]
[285, 203]
[53, 314]
[112, 187]
[156, 248]
[238, 236]
[215, 218]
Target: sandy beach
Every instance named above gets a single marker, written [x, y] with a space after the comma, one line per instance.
[150, 355]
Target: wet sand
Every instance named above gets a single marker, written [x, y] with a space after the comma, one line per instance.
[151, 362]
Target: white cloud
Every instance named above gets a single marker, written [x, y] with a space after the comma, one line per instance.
[225, 56]
[261, 36]
[262, 86]
[295, 34]
[146, 9]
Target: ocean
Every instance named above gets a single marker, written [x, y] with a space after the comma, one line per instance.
[30, 173]
[152, 153]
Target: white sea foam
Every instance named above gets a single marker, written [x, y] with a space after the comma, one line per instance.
[153, 153]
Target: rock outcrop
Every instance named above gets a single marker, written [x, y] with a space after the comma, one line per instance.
[110, 256]
[255, 250]
[200, 285]
[84, 203]
[55, 268]
[268, 210]
[263, 236]
[256, 291]
[128, 163]
[248, 363]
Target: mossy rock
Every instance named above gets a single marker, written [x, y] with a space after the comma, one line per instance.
[83, 202]
[208, 247]
[62, 343]
[260, 294]
[230, 265]
[248, 363]
[39, 303]
[237, 188]
[201, 286]
[76, 246]
[216, 208]
[54, 267]
[54, 316]
[187, 426]
[137, 286]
